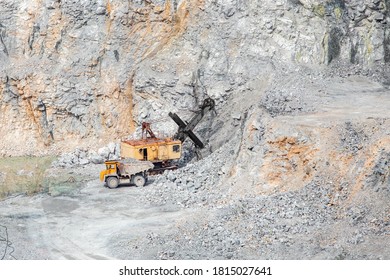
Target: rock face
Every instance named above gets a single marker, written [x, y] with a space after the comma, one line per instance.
[84, 73]
[67, 68]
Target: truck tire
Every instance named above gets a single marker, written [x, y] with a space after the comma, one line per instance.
[112, 182]
[139, 180]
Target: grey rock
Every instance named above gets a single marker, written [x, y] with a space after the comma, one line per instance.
[236, 116]
[171, 176]
[83, 161]
[379, 16]
[101, 11]
[104, 152]
[112, 147]
[361, 8]
[96, 158]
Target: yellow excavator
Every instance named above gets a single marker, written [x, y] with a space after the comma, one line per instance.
[161, 151]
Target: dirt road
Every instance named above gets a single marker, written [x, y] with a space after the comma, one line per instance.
[83, 226]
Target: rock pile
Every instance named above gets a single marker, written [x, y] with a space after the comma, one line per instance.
[302, 224]
[194, 184]
[84, 156]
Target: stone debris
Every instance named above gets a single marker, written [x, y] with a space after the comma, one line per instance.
[84, 156]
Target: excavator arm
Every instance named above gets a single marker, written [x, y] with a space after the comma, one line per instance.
[185, 128]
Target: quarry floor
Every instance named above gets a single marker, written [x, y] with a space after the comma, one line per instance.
[45, 227]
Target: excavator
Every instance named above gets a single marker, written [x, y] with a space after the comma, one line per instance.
[162, 151]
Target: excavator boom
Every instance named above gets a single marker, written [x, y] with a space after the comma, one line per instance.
[185, 129]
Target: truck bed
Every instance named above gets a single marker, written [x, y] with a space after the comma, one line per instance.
[131, 166]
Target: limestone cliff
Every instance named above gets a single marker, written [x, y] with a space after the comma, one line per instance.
[82, 73]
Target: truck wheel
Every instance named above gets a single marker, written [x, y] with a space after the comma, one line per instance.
[139, 180]
[112, 182]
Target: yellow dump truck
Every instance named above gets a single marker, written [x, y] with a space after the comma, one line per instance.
[129, 171]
